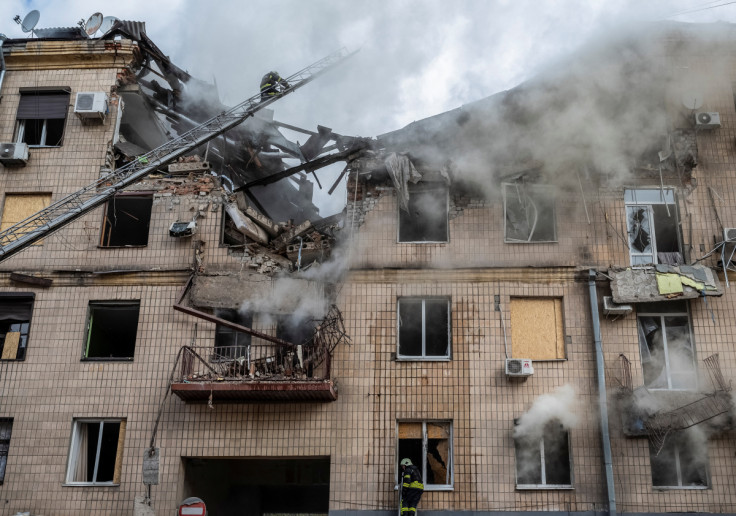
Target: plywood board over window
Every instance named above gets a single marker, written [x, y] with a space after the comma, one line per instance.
[18, 207]
[537, 329]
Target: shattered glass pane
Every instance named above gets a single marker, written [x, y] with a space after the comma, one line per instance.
[639, 229]
[530, 213]
[668, 360]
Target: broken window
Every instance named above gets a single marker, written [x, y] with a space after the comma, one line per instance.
[429, 446]
[543, 462]
[231, 343]
[15, 323]
[41, 118]
[681, 463]
[666, 346]
[537, 328]
[96, 452]
[18, 207]
[6, 428]
[424, 328]
[426, 218]
[651, 220]
[111, 330]
[529, 213]
[126, 221]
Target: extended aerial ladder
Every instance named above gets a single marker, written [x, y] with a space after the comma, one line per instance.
[39, 225]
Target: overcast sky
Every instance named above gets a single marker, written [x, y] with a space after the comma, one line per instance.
[417, 58]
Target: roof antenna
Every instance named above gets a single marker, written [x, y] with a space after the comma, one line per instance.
[29, 22]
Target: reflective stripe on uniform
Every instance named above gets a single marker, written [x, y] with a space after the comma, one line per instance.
[408, 509]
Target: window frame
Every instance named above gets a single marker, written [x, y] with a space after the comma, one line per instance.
[423, 469]
[73, 452]
[424, 357]
[20, 123]
[90, 321]
[221, 353]
[20, 296]
[662, 316]
[5, 454]
[421, 188]
[542, 467]
[679, 444]
[106, 229]
[667, 197]
[552, 194]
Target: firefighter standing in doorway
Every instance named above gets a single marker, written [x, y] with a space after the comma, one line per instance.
[271, 84]
[411, 488]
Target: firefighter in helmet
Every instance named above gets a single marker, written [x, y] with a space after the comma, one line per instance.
[271, 85]
[411, 488]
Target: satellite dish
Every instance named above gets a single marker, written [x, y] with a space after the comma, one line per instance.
[30, 21]
[107, 22]
[93, 23]
[692, 99]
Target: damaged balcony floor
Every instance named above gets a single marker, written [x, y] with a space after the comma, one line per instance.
[248, 391]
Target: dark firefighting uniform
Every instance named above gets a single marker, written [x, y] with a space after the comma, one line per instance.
[270, 83]
[411, 490]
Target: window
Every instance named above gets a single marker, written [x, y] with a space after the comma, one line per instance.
[230, 343]
[96, 452]
[529, 213]
[651, 220]
[426, 217]
[429, 446]
[111, 330]
[6, 428]
[666, 346]
[15, 322]
[18, 207]
[681, 463]
[424, 328]
[543, 461]
[294, 329]
[41, 117]
[537, 329]
[126, 222]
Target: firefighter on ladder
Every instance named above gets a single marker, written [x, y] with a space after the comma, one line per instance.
[271, 84]
[411, 488]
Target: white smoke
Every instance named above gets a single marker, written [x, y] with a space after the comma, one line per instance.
[558, 405]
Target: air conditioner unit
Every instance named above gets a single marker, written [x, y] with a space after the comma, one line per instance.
[705, 120]
[519, 367]
[611, 308]
[91, 105]
[13, 154]
[729, 234]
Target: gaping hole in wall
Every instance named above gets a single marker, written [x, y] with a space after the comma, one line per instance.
[666, 347]
[15, 323]
[230, 235]
[651, 218]
[529, 212]
[544, 461]
[426, 219]
[256, 487]
[231, 344]
[433, 436]
[682, 461]
[424, 327]
[96, 452]
[6, 429]
[111, 330]
[294, 329]
[126, 222]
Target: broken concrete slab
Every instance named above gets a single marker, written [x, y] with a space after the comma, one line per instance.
[245, 225]
[642, 285]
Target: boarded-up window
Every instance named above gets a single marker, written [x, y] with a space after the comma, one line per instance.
[537, 330]
[18, 207]
[15, 322]
[96, 453]
[428, 444]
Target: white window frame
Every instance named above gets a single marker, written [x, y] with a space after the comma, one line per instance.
[424, 356]
[647, 197]
[423, 468]
[74, 451]
[22, 133]
[678, 469]
[662, 316]
[422, 188]
[550, 189]
[544, 484]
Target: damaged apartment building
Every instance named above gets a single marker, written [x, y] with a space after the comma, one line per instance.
[528, 296]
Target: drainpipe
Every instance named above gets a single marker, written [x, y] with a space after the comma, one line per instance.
[2, 62]
[602, 399]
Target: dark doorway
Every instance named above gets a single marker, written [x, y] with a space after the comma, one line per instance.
[259, 487]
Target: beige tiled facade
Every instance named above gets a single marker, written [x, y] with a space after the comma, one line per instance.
[52, 387]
